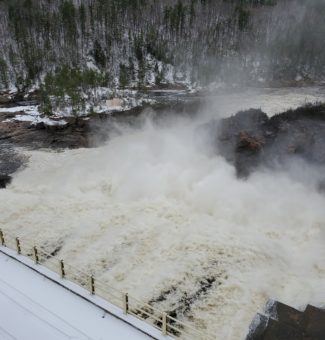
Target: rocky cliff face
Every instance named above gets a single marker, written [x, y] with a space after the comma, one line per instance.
[134, 43]
[251, 140]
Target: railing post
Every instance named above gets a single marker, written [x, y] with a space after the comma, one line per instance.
[125, 303]
[92, 285]
[164, 324]
[36, 258]
[18, 246]
[2, 239]
[62, 269]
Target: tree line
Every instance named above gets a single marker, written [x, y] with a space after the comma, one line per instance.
[138, 42]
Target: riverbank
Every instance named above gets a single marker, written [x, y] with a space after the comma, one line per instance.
[19, 127]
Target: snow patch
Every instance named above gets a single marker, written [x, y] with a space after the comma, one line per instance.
[39, 119]
[32, 110]
[31, 114]
[45, 310]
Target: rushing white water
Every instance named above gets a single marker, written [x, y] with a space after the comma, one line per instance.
[150, 211]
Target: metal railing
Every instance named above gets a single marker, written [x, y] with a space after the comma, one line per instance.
[130, 305]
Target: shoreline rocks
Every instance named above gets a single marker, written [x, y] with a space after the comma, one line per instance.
[282, 322]
[78, 132]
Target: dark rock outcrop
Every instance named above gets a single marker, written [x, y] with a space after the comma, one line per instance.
[251, 139]
[282, 322]
[43, 136]
[4, 181]
[10, 162]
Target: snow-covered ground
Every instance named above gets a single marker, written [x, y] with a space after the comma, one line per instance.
[31, 109]
[34, 307]
[30, 114]
[152, 212]
[105, 103]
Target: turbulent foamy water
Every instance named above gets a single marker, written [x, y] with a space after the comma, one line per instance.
[151, 212]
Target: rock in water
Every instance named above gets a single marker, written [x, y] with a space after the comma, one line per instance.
[251, 139]
[282, 322]
[4, 181]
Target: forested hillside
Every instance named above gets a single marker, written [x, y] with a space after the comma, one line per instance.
[135, 43]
